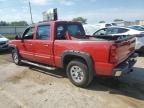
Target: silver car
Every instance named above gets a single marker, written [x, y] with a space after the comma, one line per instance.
[3, 43]
[123, 31]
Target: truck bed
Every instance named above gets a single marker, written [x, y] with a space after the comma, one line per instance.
[125, 45]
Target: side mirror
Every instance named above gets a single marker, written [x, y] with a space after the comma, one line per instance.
[18, 37]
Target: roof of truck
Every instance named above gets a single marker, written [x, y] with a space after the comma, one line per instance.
[58, 21]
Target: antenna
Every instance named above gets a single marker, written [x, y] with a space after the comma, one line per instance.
[30, 12]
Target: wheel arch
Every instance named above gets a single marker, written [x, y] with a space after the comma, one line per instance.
[70, 55]
[12, 47]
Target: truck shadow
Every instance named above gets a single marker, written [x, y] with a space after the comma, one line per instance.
[127, 86]
[58, 73]
[141, 55]
[5, 52]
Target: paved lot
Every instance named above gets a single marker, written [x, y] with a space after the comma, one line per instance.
[31, 87]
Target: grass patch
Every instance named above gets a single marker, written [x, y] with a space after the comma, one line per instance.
[11, 37]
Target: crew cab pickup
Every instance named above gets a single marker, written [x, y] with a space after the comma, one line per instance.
[63, 44]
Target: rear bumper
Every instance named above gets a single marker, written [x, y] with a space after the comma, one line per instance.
[126, 66]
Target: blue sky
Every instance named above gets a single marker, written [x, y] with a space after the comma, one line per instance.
[93, 10]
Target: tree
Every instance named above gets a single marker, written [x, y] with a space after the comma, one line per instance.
[3, 23]
[118, 20]
[14, 23]
[80, 19]
[19, 23]
[102, 22]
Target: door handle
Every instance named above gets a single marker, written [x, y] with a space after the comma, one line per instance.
[31, 44]
[46, 45]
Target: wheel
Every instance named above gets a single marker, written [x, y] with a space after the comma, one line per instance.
[16, 57]
[143, 51]
[78, 73]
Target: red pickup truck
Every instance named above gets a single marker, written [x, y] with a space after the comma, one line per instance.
[63, 44]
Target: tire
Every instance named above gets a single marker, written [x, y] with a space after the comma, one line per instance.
[16, 57]
[78, 73]
[143, 51]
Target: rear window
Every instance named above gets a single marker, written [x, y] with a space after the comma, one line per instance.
[116, 30]
[139, 28]
[122, 30]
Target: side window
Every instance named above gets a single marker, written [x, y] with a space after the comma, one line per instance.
[43, 32]
[112, 31]
[60, 32]
[28, 34]
[122, 30]
[100, 32]
[75, 30]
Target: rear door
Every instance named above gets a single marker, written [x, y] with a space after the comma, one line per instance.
[43, 45]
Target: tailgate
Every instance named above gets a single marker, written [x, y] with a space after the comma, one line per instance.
[124, 49]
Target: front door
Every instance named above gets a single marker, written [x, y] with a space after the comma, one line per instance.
[26, 50]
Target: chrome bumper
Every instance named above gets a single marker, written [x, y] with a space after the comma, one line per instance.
[126, 66]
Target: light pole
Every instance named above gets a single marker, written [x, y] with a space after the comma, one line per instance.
[30, 12]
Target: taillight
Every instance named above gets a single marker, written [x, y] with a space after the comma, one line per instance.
[112, 58]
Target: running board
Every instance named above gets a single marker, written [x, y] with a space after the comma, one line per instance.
[37, 65]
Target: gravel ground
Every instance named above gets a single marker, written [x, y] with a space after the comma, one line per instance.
[31, 87]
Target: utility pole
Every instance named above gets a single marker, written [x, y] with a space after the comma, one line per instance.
[30, 12]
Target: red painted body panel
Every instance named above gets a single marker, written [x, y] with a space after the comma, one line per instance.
[25, 48]
[42, 51]
[50, 51]
[99, 52]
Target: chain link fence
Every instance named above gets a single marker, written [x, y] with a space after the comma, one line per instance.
[11, 30]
